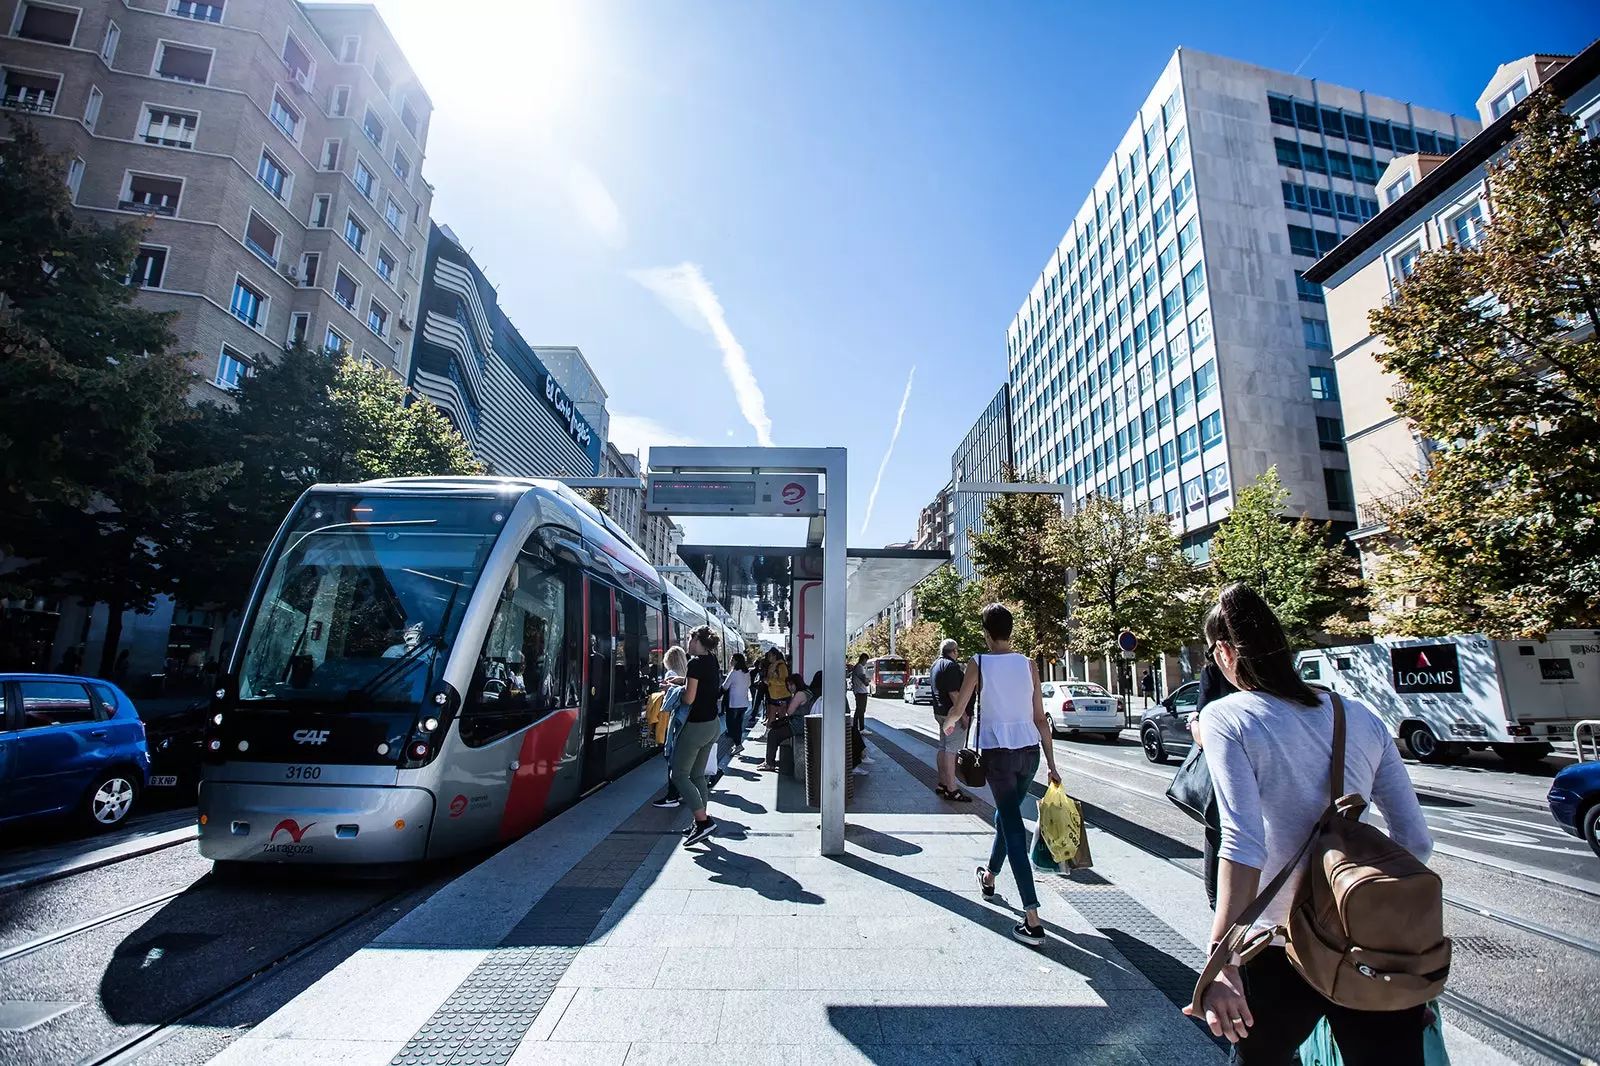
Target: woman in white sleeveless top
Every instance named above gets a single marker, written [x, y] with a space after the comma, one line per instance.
[1011, 732]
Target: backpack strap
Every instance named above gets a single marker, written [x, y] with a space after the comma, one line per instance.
[1336, 769]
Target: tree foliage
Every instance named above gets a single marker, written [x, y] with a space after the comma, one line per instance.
[1500, 365]
[1299, 568]
[1020, 556]
[98, 476]
[954, 607]
[918, 645]
[1128, 573]
[873, 642]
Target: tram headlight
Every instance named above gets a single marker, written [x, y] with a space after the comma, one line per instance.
[441, 698]
[419, 750]
[216, 719]
[215, 744]
[430, 724]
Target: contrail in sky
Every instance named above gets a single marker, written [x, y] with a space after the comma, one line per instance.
[899, 418]
[686, 291]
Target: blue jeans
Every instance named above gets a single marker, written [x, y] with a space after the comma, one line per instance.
[1009, 773]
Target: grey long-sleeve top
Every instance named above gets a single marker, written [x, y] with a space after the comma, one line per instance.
[1269, 760]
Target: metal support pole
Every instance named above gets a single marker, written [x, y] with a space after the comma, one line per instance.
[834, 710]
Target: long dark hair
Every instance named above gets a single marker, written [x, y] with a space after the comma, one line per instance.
[738, 661]
[1243, 621]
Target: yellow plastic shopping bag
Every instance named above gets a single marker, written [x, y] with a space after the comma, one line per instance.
[1060, 824]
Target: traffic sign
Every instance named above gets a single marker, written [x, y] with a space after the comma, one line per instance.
[1127, 641]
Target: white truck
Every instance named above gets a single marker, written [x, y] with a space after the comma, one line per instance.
[1443, 695]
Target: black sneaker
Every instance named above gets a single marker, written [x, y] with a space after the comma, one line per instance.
[700, 830]
[667, 801]
[1032, 935]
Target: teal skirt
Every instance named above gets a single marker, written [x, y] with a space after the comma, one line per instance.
[1320, 1050]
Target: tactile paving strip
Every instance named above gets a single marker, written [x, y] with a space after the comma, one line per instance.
[489, 1013]
[1151, 946]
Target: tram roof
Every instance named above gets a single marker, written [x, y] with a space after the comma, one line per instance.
[874, 577]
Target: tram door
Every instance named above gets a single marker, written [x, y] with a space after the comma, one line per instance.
[597, 712]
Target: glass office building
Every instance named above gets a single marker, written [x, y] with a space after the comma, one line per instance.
[1171, 350]
[984, 455]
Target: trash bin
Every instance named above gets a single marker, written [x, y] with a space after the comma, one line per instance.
[813, 763]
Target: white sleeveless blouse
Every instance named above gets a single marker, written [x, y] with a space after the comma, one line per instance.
[1005, 718]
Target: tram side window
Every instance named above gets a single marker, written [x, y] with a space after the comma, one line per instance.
[631, 682]
[523, 671]
[656, 645]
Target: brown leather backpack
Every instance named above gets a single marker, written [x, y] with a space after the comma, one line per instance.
[1367, 926]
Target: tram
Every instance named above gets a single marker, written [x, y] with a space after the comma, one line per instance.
[433, 665]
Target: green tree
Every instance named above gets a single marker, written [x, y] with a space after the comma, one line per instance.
[98, 478]
[873, 642]
[299, 420]
[919, 645]
[1128, 573]
[1019, 554]
[1299, 568]
[1495, 348]
[954, 606]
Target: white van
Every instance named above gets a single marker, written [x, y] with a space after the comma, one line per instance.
[1442, 695]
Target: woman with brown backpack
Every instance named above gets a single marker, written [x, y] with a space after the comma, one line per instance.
[1270, 748]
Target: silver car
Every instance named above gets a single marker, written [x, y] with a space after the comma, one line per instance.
[919, 689]
[1080, 707]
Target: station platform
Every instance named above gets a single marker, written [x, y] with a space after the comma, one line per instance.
[600, 940]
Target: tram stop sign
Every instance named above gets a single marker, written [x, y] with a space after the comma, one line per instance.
[733, 494]
[1127, 642]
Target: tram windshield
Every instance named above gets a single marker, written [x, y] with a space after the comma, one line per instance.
[365, 597]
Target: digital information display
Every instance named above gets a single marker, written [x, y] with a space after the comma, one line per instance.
[733, 494]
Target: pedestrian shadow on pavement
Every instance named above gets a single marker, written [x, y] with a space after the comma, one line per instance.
[1005, 1035]
[747, 871]
[882, 843]
[737, 802]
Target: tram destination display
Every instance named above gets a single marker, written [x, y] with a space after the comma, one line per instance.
[733, 494]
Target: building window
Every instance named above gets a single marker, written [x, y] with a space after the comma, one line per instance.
[394, 215]
[31, 92]
[1320, 201]
[402, 166]
[1323, 384]
[1309, 291]
[335, 343]
[272, 175]
[1194, 283]
[1339, 165]
[1294, 196]
[1405, 261]
[1194, 494]
[249, 305]
[1205, 379]
[355, 234]
[1398, 188]
[1288, 152]
[298, 62]
[149, 266]
[285, 117]
[52, 25]
[387, 265]
[1341, 494]
[339, 101]
[1330, 434]
[1188, 445]
[261, 239]
[108, 46]
[1182, 397]
[1211, 431]
[1167, 257]
[191, 9]
[365, 180]
[380, 77]
[373, 127]
[74, 177]
[319, 211]
[299, 328]
[1188, 235]
[1467, 226]
[91, 110]
[1316, 333]
[1163, 217]
[177, 62]
[308, 269]
[232, 368]
[1182, 189]
[1311, 158]
[377, 318]
[151, 195]
[169, 128]
[1217, 482]
[1354, 208]
[1280, 109]
[345, 290]
[330, 154]
[1172, 303]
[350, 50]
[408, 119]
[1509, 99]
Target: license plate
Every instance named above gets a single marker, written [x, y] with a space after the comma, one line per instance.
[164, 781]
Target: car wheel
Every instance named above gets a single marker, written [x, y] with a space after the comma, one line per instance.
[1154, 750]
[109, 800]
[1591, 826]
[1423, 745]
[1521, 754]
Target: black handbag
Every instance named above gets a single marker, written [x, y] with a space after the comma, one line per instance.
[969, 761]
[1191, 790]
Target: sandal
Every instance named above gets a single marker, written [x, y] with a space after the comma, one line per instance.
[944, 793]
[983, 883]
[959, 796]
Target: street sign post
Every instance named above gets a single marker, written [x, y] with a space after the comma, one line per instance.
[1127, 642]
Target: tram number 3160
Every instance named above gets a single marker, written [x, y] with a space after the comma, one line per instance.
[302, 773]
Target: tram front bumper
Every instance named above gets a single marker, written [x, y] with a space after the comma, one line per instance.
[313, 824]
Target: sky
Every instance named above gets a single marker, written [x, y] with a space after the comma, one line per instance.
[809, 222]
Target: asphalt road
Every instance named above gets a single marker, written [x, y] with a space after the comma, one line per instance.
[1541, 982]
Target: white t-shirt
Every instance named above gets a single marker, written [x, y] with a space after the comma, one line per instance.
[1269, 760]
[737, 686]
[1005, 703]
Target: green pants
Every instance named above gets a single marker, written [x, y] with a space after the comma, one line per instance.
[696, 741]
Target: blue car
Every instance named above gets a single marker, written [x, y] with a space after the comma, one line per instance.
[1575, 801]
[69, 746]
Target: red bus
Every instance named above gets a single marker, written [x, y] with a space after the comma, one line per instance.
[886, 676]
